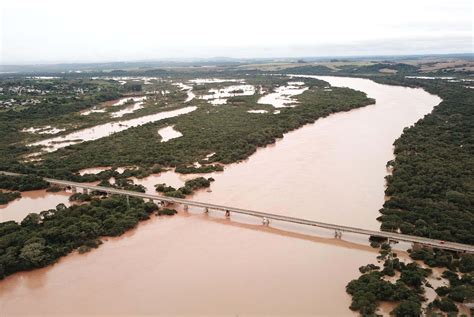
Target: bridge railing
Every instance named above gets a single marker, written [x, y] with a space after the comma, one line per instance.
[208, 206]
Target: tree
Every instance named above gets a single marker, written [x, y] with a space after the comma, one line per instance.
[34, 253]
[467, 263]
[407, 308]
[31, 220]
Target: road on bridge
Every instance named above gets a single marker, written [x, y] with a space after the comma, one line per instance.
[445, 245]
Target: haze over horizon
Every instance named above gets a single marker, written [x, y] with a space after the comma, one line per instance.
[52, 31]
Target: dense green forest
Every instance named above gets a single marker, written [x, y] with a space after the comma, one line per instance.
[41, 239]
[431, 188]
[22, 183]
[189, 187]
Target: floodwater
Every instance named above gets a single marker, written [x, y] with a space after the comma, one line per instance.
[106, 129]
[282, 97]
[33, 201]
[136, 104]
[219, 96]
[168, 133]
[257, 111]
[44, 130]
[215, 80]
[189, 91]
[193, 263]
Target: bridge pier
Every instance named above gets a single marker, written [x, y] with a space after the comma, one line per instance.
[74, 189]
[227, 213]
[85, 191]
[186, 207]
[128, 202]
[206, 210]
[337, 234]
[265, 221]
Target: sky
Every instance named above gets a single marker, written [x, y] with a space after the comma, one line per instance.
[58, 31]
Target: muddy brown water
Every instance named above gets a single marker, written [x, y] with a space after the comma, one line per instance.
[32, 202]
[200, 264]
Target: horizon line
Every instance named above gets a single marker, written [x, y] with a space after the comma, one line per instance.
[216, 58]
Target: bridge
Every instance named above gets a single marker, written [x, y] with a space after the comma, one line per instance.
[266, 217]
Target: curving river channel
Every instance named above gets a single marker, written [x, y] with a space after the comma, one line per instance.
[193, 263]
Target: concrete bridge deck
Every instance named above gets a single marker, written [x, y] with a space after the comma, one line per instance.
[445, 245]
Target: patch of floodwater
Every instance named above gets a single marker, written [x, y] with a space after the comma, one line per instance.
[169, 178]
[215, 80]
[188, 89]
[217, 102]
[136, 104]
[97, 170]
[124, 79]
[125, 100]
[282, 97]
[429, 77]
[43, 130]
[219, 96]
[169, 133]
[93, 170]
[208, 156]
[43, 77]
[32, 202]
[106, 129]
[94, 109]
[257, 111]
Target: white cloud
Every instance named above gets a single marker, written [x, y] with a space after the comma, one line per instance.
[55, 30]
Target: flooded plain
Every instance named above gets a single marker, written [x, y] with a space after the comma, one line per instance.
[135, 104]
[220, 96]
[193, 263]
[189, 91]
[169, 133]
[106, 129]
[283, 95]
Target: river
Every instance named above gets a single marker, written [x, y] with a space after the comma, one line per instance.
[193, 263]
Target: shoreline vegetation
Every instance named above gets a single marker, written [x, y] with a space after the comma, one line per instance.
[41, 239]
[431, 188]
[189, 187]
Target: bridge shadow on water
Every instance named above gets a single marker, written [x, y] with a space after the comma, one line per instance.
[316, 235]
